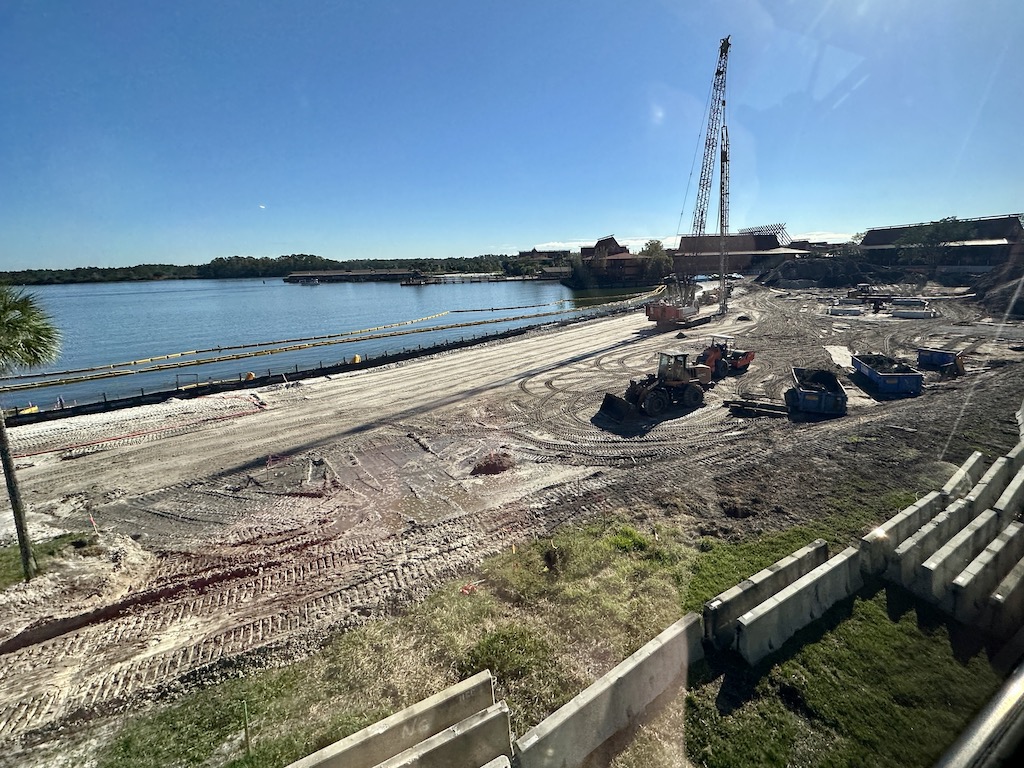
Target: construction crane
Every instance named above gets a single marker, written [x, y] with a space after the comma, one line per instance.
[716, 127]
[680, 311]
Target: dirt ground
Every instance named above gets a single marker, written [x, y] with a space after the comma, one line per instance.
[240, 526]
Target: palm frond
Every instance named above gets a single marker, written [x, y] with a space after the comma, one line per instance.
[28, 337]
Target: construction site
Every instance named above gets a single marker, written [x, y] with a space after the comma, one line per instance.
[216, 538]
[238, 528]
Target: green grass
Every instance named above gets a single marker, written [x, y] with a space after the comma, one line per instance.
[863, 689]
[859, 687]
[10, 557]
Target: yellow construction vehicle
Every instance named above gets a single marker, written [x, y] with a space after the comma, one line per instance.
[677, 381]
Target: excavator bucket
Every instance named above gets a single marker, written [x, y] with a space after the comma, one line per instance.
[617, 408]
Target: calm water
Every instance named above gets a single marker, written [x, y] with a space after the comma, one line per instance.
[109, 323]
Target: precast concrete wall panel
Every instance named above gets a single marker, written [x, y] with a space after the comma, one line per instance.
[991, 485]
[976, 582]
[939, 570]
[1016, 457]
[473, 742]
[1011, 500]
[1007, 602]
[721, 612]
[924, 542]
[569, 735]
[964, 478]
[385, 739]
[765, 628]
[876, 549]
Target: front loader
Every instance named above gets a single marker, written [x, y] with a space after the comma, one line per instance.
[675, 382]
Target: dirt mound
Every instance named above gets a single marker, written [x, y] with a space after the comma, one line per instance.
[493, 464]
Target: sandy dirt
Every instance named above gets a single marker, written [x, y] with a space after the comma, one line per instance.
[239, 526]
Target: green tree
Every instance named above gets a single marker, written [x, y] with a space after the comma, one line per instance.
[28, 338]
[930, 243]
[658, 263]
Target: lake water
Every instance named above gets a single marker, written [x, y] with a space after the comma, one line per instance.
[105, 324]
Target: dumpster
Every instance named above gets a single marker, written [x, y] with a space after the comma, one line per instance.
[816, 391]
[888, 375]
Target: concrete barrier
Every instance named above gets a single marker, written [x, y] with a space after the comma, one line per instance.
[939, 570]
[970, 472]
[569, 735]
[471, 743]
[721, 612]
[498, 762]
[1016, 457]
[975, 583]
[1011, 500]
[765, 628]
[876, 549]
[1006, 604]
[987, 490]
[924, 542]
[402, 730]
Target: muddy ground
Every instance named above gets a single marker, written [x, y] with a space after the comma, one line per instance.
[240, 527]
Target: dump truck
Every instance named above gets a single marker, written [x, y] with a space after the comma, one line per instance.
[677, 381]
[723, 358]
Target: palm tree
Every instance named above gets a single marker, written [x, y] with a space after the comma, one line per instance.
[27, 338]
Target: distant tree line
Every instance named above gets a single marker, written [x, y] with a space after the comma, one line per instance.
[250, 266]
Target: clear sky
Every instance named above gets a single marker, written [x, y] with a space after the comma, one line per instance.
[157, 131]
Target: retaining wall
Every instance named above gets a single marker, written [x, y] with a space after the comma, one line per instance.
[402, 730]
[927, 539]
[721, 612]
[964, 478]
[973, 585]
[992, 484]
[1006, 604]
[569, 735]
[938, 571]
[471, 743]
[1012, 498]
[765, 628]
[877, 548]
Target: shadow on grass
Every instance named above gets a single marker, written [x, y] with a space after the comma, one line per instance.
[965, 641]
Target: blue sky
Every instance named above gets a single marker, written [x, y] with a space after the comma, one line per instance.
[143, 131]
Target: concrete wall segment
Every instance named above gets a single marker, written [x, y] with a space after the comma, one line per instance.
[390, 736]
[473, 742]
[992, 484]
[973, 585]
[965, 477]
[765, 628]
[566, 737]
[939, 570]
[924, 542]
[1011, 500]
[721, 612]
[878, 546]
[1006, 604]
[1016, 457]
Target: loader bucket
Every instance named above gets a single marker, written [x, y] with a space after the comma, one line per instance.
[616, 408]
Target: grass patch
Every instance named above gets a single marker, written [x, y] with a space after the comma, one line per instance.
[549, 617]
[10, 556]
[868, 690]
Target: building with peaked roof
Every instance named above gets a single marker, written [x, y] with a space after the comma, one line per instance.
[990, 242]
[744, 252]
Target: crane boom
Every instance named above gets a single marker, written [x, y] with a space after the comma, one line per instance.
[723, 221]
[707, 168]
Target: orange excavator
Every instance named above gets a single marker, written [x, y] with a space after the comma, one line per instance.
[723, 358]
